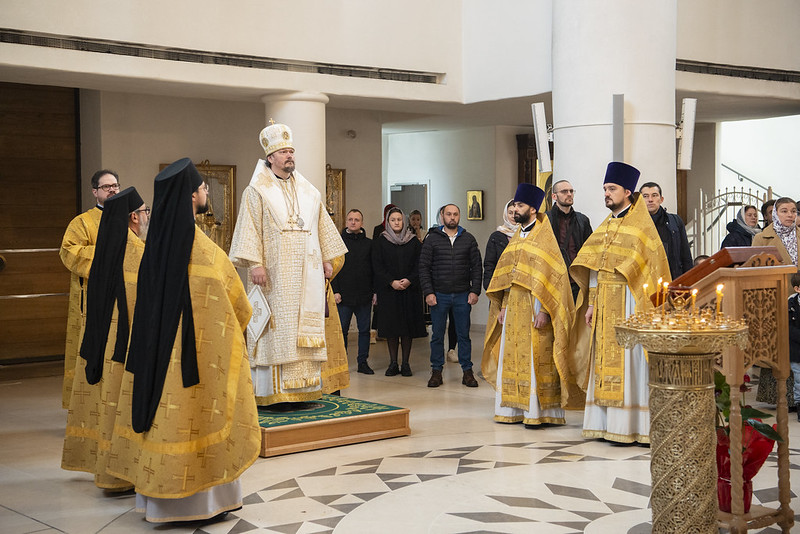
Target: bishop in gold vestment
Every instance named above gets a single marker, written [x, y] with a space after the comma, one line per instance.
[187, 426]
[621, 255]
[530, 291]
[93, 402]
[285, 238]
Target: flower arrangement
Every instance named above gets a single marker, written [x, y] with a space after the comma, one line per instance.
[758, 439]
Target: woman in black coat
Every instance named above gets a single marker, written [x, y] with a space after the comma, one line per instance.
[498, 242]
[742, 229]
[395, 255]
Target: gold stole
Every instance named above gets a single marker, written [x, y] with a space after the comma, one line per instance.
[625, 252]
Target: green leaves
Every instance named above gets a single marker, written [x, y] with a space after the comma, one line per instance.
[750, 416]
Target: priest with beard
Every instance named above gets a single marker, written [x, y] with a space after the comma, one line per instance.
[187, 425]
[531, 312]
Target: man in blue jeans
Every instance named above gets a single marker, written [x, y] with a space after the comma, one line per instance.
[450, 275]
[352, 287]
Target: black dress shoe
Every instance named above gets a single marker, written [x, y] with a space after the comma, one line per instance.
[365, 368]
[393, 370]
[405, 370]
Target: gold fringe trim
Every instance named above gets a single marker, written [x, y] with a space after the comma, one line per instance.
[298, 383]
[288, 397]
[505, 419]
[545, 420]
[619, 438]
[314, 342]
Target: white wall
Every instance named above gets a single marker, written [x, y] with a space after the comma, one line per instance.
[138, 132]
[763, 150]
[360, 157]
[740, 32]
[506, 48]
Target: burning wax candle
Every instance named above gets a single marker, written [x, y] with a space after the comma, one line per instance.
[658, 291]
[694, 299]
[719, 297]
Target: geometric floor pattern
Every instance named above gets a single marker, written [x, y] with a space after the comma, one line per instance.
[452, 490]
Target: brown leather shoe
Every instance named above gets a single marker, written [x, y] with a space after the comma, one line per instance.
[469, 379]
[436, 379]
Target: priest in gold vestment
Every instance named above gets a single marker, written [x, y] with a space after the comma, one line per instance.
[531, 313]
[187, 426]
[286, 240]
[77, 251]
[621, 255]
[111, 295]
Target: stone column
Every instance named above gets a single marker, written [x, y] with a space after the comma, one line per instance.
[304, 113]
[601, 49]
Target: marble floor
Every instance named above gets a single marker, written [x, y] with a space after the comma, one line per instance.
[458, 471]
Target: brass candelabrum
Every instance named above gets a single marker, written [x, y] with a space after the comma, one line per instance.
[682, 342]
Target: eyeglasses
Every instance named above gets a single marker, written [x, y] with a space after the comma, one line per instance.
[567, 191]
[204, 187]
[146, 210]
[108, 187]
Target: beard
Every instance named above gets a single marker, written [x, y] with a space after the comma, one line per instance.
[610, 204]
[288, 167]
[451, 225]
[522, 218]
[202, 209]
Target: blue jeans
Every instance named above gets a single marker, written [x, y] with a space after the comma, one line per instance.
[796, 372]
[362, 312]
[457, 302]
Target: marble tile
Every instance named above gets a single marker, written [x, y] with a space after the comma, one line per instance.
[458, 472]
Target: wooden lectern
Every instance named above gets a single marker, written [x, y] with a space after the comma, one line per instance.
[756, 291]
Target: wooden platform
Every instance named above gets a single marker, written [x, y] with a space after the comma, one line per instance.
[340, 421]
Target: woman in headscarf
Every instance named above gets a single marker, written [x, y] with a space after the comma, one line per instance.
[378, 230]
[783, 234]
[395, 255]
[497, 242]
[742, 229]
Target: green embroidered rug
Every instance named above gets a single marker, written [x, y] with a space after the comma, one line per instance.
[326, 408]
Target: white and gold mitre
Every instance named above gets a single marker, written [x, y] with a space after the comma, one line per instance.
[275, 137]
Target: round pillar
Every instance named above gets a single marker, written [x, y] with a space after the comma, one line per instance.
[304, 113]
[601, 49]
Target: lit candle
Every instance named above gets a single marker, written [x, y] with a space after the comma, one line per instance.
[694, 298]
[658, 291]
[719, 297]
[666, 293]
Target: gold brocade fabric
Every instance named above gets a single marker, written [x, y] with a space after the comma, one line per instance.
[532, 267]
[93, 408]
[335, 374]
[631, 248]
[259, 240]
[207, 434]
[77, 252]
[609, 365]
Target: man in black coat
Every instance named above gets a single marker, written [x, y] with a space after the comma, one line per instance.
[571, 228]
[450, 275]
[670, 228]
[352, 287]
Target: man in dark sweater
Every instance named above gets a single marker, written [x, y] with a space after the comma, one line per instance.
[571, 228]
[450, 275]
[352, 287]
[671, 230]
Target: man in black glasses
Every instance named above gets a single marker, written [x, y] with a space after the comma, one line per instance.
[77, 252]
[139, 221]
[571, 228]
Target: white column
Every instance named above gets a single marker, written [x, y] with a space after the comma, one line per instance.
[304, 113]
[606, 48]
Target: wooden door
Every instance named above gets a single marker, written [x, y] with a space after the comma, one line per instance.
[38, 197]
